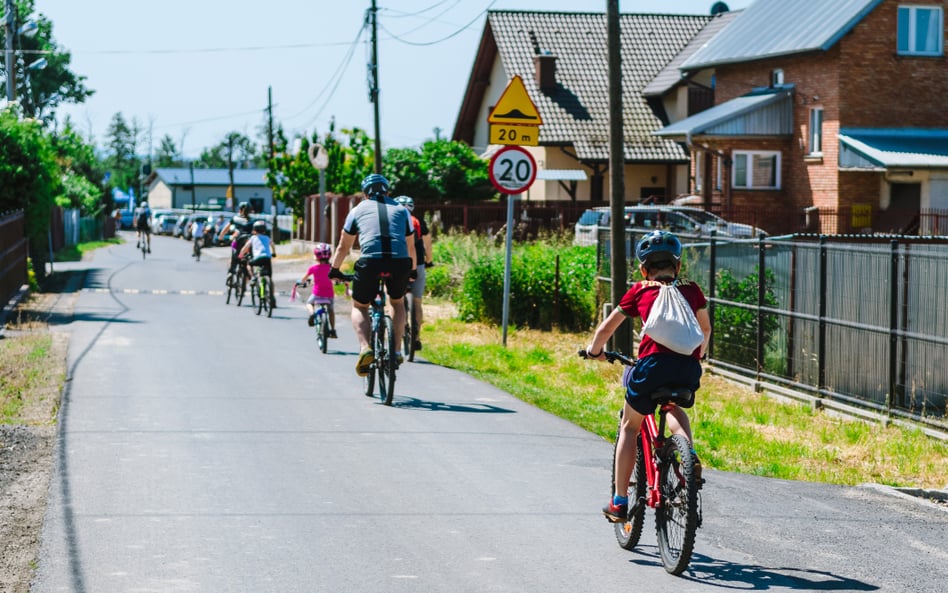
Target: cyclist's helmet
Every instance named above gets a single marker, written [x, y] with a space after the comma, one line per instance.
[144, 205]
[658, 245]
[322, 251]
[375, 185]
[407, 202]
[243, 206]
[260, 226]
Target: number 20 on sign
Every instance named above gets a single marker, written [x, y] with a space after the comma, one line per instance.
[512, 170]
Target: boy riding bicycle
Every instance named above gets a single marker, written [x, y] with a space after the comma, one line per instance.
[659, 255]
[323, 293]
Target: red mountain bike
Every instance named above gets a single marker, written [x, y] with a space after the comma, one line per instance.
[664, 479]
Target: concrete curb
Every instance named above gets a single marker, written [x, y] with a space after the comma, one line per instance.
[13, 304]
[936, 499]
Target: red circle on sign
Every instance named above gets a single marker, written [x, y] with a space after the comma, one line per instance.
[512, 170]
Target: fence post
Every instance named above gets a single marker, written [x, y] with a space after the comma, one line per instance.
[712, 273]
[893, 320]
[761, 293]
[821, 344]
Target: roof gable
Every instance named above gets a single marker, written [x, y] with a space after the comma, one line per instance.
[771, 28]
[576, 110]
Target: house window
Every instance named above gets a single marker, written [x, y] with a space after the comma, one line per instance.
[699, 170]
[756, 169]
[816, 131]
[920, 31]
[776, 77]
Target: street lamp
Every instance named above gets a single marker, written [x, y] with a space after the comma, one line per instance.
[27, 29]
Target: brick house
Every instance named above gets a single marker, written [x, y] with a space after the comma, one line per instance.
[827, 116]
[561, 58]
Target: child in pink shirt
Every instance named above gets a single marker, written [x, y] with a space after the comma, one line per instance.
[322, 286]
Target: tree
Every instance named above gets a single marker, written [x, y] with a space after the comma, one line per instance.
[122, 160]
[168, 154]
[442, 170]
[81, 172]
[236, 148]
[41, 91]
[29, 179]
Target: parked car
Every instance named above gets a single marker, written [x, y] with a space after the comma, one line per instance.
[163, 221]
[684, 220]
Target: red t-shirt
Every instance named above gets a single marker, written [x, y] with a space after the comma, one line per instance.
[637, 302]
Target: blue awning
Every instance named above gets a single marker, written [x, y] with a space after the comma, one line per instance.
[764, 112]
[883, 148]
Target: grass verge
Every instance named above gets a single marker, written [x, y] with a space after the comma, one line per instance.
[735, 429]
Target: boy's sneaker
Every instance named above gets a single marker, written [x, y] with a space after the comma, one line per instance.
[366, 358]
[616, 513]
[312, 320]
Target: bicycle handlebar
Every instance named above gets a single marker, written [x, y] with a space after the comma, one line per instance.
[611, 357]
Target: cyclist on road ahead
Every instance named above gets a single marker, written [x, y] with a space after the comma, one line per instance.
[238, 229]
[143, 226]
[423, 258]
[659, 255]
[385, 238]
[323, 292]
[260, 249]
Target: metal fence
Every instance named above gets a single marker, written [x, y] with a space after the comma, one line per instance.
[861, 320]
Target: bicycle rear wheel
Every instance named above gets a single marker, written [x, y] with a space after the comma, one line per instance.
[676, 519]
[408, 341]
[384, 359]
[241, 289]
[255, 303]
[629, 533]
[231, 288]
[266, 295]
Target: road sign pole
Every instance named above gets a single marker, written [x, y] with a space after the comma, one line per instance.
[507, 262]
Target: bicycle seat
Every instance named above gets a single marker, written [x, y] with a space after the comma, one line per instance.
[681, 396]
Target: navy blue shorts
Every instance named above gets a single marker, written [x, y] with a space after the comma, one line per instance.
[659, 370]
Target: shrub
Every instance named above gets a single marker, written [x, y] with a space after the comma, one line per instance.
[735, 328]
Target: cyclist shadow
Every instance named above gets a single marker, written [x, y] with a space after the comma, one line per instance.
[751, 577]
[413, 403]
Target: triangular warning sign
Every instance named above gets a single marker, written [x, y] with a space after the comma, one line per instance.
[515, 107]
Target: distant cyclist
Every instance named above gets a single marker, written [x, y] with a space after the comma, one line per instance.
[423, 258]
[385, 238]
[143, 226]
[238, 230]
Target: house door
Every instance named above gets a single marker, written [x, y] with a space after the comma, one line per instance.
[904, 206]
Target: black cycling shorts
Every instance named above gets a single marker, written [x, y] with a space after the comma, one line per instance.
[365, 281]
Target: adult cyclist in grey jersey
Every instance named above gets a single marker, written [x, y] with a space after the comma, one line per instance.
[387, 245]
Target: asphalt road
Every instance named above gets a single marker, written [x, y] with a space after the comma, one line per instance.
[205, 449]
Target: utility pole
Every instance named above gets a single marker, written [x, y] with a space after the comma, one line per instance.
[617, 264]
[273, 229]
[230, 172]
[374, 84]
[10, 11]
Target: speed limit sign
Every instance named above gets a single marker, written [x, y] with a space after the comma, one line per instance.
[512, 170]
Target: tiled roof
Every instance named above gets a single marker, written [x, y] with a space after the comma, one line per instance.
[770, 28]
[576, 111]
[671, 74]
[242, 177]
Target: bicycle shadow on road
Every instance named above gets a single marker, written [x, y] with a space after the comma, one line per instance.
[752, 577]
[413, 403]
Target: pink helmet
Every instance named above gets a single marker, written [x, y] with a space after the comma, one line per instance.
[322, 251]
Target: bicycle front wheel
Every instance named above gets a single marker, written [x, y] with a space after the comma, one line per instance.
[629, 533]
[408, 341]
[383, 354]
[322, 335]
[231, 288]
[676, 518]
[241, 289]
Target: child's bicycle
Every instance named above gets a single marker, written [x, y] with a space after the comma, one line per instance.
[324, 328]
[261, 291]
[664, 479]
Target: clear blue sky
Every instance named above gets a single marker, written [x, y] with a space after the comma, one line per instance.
[198, 69]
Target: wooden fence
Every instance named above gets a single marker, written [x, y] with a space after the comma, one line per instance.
[14, 251]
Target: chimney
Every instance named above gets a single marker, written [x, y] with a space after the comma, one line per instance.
[544, 66]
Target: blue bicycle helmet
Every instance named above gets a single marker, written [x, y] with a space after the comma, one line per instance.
[657, 242]
[407, 202]
[374, 185]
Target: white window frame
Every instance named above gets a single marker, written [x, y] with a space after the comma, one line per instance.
[776, 77]
[815, 145]
[906, 46]
[751, 156]
[699, 168]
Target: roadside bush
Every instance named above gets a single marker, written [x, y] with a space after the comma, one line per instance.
[735, 328]
[534, 300]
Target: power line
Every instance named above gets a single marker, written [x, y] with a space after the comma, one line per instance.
[399, 14]
[204, 50]
[436, 41]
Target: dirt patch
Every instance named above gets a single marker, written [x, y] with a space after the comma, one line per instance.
[34, 362]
